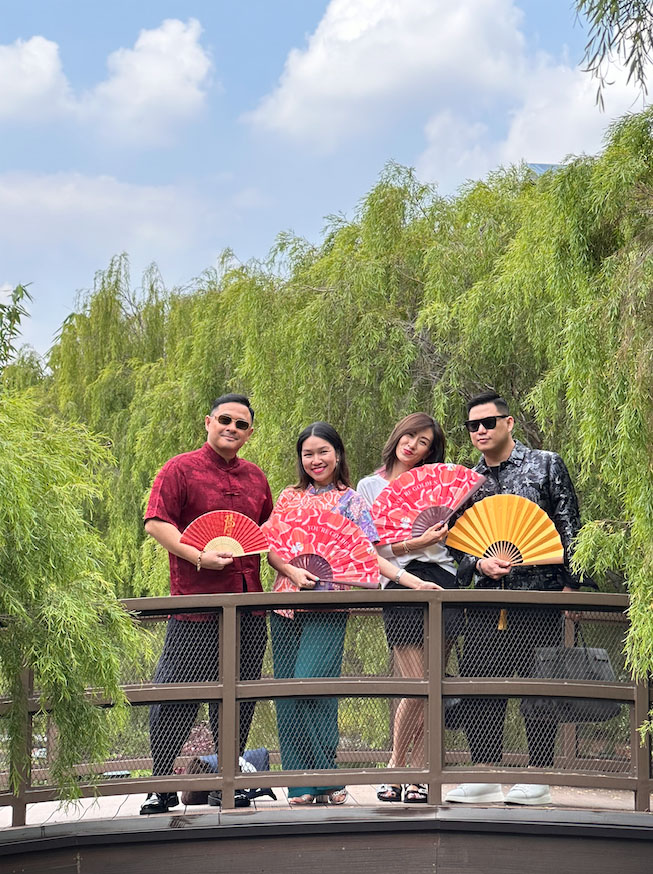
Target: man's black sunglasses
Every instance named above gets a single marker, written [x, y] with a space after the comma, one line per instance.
[241, 424]
[489, 422]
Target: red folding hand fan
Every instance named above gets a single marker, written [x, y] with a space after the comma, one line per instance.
[226, 531]
[326, 544]
[420, 497]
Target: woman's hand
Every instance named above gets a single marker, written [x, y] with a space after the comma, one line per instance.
[413, 582]
[302, 578]
[435, 534]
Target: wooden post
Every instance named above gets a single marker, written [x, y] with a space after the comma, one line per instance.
[228, 733]
[433, 722]
[22, 770]
[641, 752]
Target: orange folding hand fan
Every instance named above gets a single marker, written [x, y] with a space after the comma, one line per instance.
[326, 544]
[226, 531]
[420, 497]
[508, 527]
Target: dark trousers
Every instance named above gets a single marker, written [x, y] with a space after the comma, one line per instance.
[491, 652]
[190, 655]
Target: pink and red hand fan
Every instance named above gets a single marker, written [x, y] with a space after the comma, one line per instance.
[326, 544]
[420, 497]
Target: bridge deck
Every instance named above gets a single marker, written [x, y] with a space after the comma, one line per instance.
[361, 800]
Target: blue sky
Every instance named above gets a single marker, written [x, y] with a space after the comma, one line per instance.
[173, 130]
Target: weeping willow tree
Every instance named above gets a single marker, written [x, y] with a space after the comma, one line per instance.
[61, 619]
[537, 287]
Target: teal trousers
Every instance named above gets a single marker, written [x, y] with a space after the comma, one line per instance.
[310, 645]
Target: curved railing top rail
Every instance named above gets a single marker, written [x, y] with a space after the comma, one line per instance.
[179, 603]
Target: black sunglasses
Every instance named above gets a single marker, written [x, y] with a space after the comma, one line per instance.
[489, 422]
[241, 424]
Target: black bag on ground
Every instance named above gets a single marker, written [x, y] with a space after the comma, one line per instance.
[571, 663]
[259, 760]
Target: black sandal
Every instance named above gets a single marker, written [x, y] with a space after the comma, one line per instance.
[416, 793]
[389, 793]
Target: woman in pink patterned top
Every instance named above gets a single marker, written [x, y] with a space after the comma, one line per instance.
[310, 643]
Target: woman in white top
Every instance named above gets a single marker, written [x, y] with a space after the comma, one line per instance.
[417, 439]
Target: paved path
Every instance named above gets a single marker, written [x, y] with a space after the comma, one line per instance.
[116, 806]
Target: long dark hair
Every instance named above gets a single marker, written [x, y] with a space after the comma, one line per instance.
[408, 425]
[327, 432]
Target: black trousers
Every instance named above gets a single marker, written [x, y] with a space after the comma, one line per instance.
[492, 652]
[190, 655]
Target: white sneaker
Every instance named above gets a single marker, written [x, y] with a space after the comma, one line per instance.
[529, 793]
[475, 793]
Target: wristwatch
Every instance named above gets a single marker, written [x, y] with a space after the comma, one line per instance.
[399, 575]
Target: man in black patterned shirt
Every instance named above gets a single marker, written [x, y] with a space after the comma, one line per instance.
[501, 643]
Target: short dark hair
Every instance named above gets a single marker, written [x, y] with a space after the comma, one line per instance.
[489, 397]
[408, 425]
[324, 431]
[232, 399]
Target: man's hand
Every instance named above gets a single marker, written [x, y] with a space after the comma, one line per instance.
[216, 561]
[494, 568]
[302, 578]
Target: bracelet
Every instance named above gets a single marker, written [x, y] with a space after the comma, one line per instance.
[406, 550]
[478, 569]
[199, 561]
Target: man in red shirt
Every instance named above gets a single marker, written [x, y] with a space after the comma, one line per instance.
[210, 478]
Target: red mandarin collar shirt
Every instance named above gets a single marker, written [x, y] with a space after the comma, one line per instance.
[198, 482]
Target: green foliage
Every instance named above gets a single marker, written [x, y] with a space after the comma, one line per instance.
[11, 314]
[25, 371]
[538, 287]
[61, 619]
[619, 30]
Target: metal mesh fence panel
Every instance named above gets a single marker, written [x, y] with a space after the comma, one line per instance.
[4, 753]
[152, 631]
[510, 741]
[311, 733]
[501, 642]
[545, 732]
[190, 654]
[42, 748]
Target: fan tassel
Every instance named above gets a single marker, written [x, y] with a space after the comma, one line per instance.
[503, 620]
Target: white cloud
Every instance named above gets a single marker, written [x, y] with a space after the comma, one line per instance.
[57, 230]
[32, 83]
[155, 86]
[555, 116]
[71, 211]
[369, 59]
[151, 88]
[559, 115]
[457, 149]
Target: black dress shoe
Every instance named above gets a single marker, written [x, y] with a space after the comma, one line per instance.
[160, 802]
